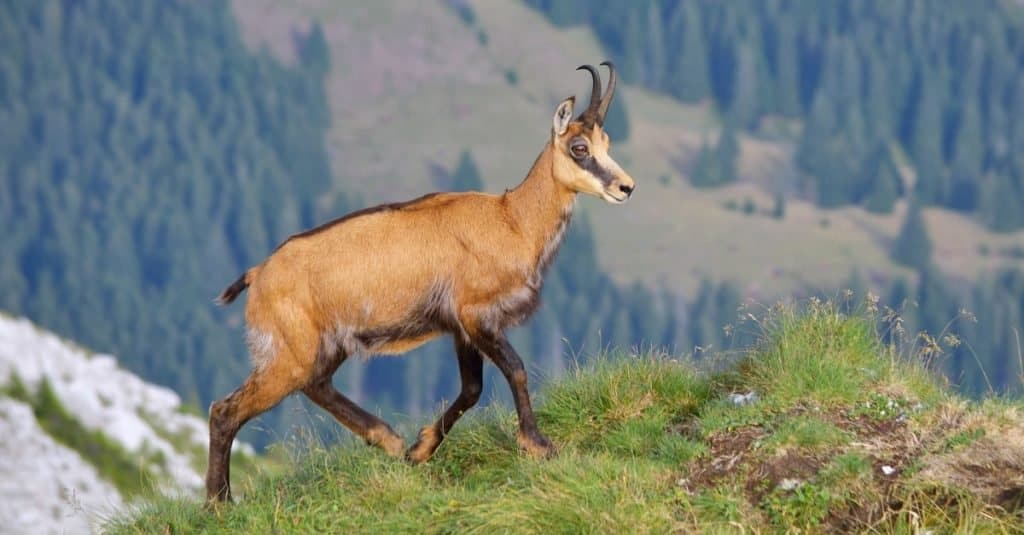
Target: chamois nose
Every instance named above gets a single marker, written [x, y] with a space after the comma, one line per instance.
[628, 190]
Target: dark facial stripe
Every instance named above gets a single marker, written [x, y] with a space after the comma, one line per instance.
[590, 165]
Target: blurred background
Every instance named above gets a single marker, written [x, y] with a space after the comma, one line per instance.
[151, 151]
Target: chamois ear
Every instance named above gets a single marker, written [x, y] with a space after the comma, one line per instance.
[563, 114]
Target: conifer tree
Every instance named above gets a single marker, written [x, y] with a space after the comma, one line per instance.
[466, 176]
[882, 181]
[689, 78]
[616, 124]
[913, 247]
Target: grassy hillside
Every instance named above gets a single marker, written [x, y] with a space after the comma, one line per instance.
[824, 427]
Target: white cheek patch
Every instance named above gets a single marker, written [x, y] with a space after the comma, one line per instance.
[608, 163]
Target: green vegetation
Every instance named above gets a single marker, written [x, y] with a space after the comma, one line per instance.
[859, 77]
[913, 247]
[652, 444]
[133, 477]
[146, 168]
[980, 326]
[144, 148]
[716, 166]
[466, 176]
[616, 124]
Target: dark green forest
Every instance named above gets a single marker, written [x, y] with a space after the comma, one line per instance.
[937, 86]
[938, 82]
[149, 157]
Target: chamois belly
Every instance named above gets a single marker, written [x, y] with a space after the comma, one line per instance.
[405, 323]
[397, 347]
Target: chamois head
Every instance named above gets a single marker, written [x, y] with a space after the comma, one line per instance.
[581, 146]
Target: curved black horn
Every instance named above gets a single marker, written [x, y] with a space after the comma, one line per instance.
[602, 110]
[591, 113]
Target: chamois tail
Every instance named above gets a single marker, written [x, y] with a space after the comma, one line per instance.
[232, 292]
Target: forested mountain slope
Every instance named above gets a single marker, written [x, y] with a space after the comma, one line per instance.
[942, 81]
[150, 157]
[722, 197]
[153, 151]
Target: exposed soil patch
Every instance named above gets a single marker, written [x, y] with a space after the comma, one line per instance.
[905, 461]
[769, 474]
[729, 451]
[992, 468]
[864, 426]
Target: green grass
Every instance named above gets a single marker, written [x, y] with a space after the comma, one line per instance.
[650, 444]
[130, 474]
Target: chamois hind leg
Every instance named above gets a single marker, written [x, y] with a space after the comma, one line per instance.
[471, 370]
[504, 356]
[372, 429]
[261, 391]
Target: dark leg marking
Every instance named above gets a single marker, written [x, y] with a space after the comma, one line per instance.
[372, 429]
[260, 392]
[471, 370]
[504, 356]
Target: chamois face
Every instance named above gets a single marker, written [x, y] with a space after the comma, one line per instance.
[582, 162]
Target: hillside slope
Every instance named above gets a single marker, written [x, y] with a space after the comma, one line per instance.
[46, 487]
[82, 436]
[412, 85]
[823, 428]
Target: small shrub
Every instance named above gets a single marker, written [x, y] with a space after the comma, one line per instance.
[464, 11]
[748, 206]
[1016, 252]
[963, 438]
[779, 209]
[880, 407]
[804, 507]
[806, 432]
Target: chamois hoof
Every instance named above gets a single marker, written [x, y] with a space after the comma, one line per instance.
[386, 439]
[536, 446]
[214, 504]
[423, 449]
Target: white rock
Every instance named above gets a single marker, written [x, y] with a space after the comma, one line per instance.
[790, 484]
[46, 487]
[105, 398]
[888, 470]
[743, 399]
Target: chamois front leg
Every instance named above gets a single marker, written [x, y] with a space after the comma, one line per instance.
[471, 370]
[504, 356]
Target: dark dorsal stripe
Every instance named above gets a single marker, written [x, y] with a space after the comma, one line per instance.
[365, 211]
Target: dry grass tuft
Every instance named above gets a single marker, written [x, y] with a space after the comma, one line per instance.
[991, 467]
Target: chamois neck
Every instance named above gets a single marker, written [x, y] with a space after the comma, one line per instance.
[541, 205]
[540, 208]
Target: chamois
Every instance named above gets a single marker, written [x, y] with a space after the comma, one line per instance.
[387, 279]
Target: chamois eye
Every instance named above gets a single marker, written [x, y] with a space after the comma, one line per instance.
[579, 150]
